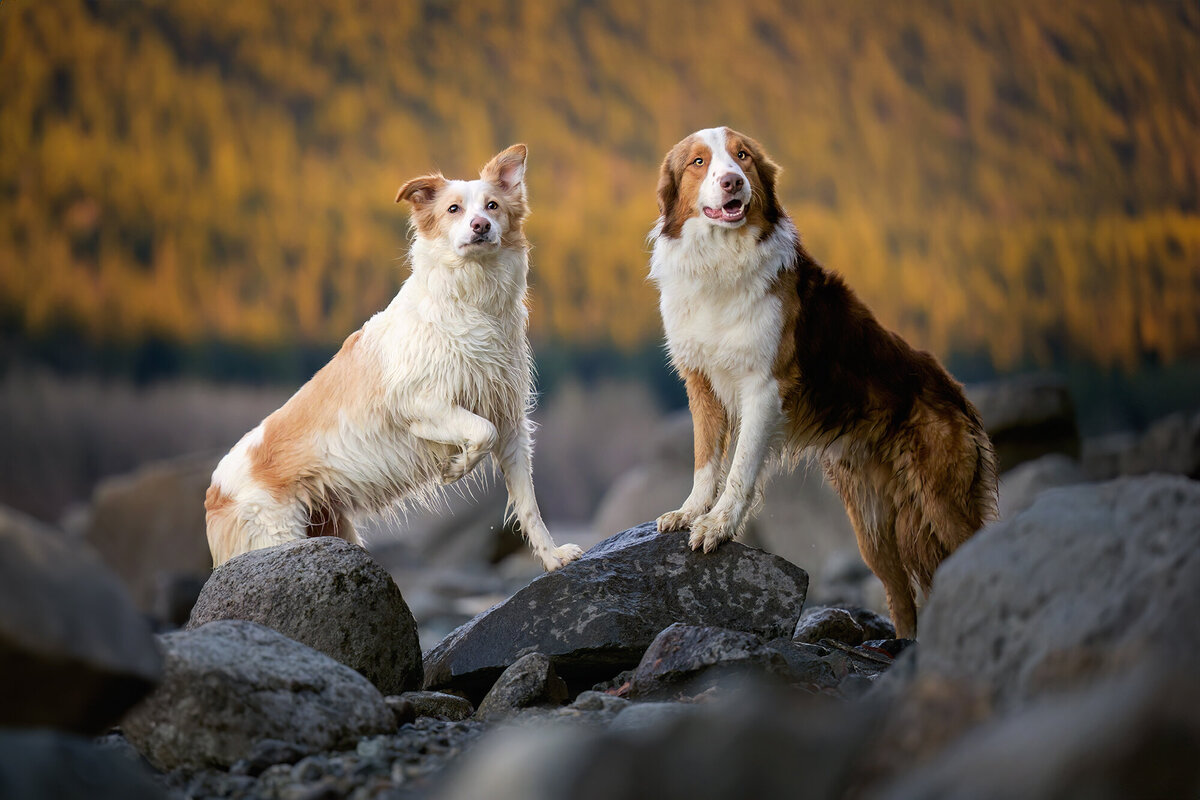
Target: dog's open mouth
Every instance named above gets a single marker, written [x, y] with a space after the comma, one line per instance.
[732, 211]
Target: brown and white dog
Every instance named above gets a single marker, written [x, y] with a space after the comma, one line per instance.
[779, 355]
[422, 393]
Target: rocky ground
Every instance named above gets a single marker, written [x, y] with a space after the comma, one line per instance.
[1056, 659]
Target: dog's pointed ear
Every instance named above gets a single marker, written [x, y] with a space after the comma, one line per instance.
[507, 169]
[420, 191]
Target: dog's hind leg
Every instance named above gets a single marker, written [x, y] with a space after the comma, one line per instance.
[515, 456]
[324, 520]
[874, 521]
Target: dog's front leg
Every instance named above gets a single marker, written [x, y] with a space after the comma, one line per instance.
[516, 463]
[709, 428]
[760, 416]
[457, 427]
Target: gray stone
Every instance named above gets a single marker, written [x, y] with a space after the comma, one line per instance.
[597, 615]
[148, 526]
[875, 626]
[599, 701]
[231, 683]
[759, 744]
[439, 704]
[1136, 736]
[530, 681]
[689, 659]
[1019, 487]
[828, 623]
[267, 753]
[43, 764]
[637, 718]
[1027, 416]
[404, 710]
[1084, 582]
[328, 594]
[75, 653]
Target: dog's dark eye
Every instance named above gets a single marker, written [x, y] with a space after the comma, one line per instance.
[742, 155]
[492, 205]
[453, 209]
[699, 162]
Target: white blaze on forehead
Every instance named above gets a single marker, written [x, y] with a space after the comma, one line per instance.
[720, 163]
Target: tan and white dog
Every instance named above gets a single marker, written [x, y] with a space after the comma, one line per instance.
[778, 355]
[422, 393]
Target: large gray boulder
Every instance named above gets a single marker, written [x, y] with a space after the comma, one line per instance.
[1136, 736]
[1027, 416]
[1088, 580]
[231, 683]
[74, 651]
[328, 594]
[148, 526]
[597, 615]
[44, 764]
[1019, 487]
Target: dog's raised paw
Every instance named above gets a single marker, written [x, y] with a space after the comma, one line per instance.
[674, 521]
[459, 465]
[561, 556]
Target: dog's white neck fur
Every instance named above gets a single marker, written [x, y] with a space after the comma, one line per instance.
[494, 281]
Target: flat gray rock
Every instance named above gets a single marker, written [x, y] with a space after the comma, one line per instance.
[596, 616]
[74, 651]
[1086, 581]
[328, 594]
[230, 684]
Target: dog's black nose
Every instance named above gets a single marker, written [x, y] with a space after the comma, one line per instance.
[731, 182]
[480, 225]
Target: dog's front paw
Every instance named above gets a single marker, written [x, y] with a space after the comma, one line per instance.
[561, 556]
[675, 521]
[710, 530]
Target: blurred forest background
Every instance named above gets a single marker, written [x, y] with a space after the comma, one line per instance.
[196, 194]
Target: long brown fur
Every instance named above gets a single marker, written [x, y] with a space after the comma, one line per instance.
[893, 430]
[900, 442]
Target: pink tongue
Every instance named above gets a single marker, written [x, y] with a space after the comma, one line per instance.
[713, 213]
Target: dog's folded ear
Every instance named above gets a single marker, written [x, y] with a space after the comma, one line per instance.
[420, 191]
[507, 169]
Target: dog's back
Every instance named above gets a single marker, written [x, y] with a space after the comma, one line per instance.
[898, 438]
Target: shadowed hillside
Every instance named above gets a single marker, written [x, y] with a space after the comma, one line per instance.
[1015, 181]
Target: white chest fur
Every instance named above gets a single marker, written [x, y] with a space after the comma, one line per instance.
[718, 309]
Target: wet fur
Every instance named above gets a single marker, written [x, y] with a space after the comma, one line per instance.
[779, 357]
[428, 388]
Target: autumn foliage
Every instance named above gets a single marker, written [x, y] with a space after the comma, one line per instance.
[1020, 180]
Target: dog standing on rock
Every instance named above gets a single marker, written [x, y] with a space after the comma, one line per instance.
[427, 388]
[778, 355]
